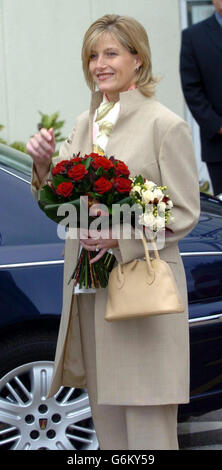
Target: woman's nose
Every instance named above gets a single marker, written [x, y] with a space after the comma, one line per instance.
[100, 61]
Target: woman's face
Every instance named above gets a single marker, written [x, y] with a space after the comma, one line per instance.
[112, 67]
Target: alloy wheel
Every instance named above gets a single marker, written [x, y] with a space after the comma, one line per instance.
[31, 421]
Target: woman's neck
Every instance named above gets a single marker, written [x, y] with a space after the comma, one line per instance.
[113, 98]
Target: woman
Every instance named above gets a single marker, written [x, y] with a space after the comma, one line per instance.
[136, 371]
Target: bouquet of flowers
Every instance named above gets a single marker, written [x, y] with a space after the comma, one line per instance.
[155, 203]
[104, 181]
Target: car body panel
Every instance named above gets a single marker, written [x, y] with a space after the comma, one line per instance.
[31, 261]
[201, 252]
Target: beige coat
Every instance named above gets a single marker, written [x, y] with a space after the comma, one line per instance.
[144, 361]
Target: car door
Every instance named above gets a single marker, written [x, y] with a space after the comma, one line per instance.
[202, 257]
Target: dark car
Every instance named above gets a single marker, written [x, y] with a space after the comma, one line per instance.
[31, 276]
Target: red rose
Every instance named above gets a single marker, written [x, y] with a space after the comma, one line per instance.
[60, 168]
[102, 185]
[77, 172]
[65, 189]
[100, 161]
[94, 155]
[76, 160]
[63, 162]
[121, 169]
[122, 185]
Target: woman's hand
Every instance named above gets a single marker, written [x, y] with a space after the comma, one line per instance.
[103, 243]
[41, 147]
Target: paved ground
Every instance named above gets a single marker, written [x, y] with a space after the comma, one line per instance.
[203, 433]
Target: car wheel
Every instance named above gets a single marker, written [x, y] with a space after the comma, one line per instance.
[28, 419]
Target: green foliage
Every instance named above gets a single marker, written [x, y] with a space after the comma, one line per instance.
[19, 146]
[2, 141]
[48, 121]
[138, 180]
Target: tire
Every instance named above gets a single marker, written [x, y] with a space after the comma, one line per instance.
[28, 419]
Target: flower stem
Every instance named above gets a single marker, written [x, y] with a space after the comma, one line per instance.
[91, 271]
[86, 269]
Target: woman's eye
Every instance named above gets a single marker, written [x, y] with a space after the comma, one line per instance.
[94, 56]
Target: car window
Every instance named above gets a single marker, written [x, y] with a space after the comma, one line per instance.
[21, 220]
[14, 160]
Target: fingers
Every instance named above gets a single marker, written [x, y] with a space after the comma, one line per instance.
[99, 255]
[31, 150]
[42, 145]
[48, 135]
[51, 132]
[96, 211]
[90, 244]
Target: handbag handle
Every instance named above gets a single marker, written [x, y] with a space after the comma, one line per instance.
[156, 253]
[150, 270]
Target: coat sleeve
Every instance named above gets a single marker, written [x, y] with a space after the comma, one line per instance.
[193, 89]
[64, 152]
[178, 172]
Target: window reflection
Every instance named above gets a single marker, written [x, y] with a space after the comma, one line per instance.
[199, 10]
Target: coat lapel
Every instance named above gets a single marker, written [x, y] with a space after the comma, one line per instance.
[214, 31]
[130, 102]
[96, 99]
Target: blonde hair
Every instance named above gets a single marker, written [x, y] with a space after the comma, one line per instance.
[132, 35]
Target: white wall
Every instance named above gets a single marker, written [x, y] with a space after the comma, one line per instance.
[40, 63]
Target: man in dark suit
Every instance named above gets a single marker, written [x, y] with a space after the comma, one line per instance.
[201, 78]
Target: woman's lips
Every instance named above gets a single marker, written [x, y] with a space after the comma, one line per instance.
[104, 76]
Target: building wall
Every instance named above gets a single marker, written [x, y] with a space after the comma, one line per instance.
[40, 63]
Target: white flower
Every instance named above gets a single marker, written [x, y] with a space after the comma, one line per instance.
[161, 207]
[147, 196]
[147, 219]
[136, 189]
[149, 185]
[158, 194]
[159, 223]
[170, 219]
[169, 204]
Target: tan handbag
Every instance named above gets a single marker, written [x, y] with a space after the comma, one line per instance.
[142, 288]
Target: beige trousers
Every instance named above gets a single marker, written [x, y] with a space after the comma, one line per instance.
[123, 427]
